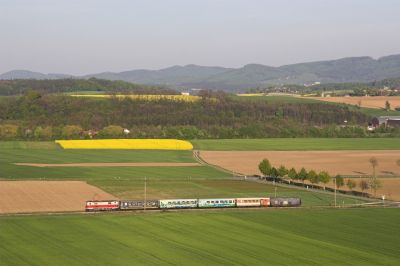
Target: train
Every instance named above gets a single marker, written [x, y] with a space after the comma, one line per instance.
[163, 204]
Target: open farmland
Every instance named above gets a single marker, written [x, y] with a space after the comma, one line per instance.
[235, 237]
[134, 144]
[364, 101]
[348, 163]
[47, 196]
[352, 163]
[297, 144]
[128, 182]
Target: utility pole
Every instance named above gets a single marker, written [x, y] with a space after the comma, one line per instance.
[335, 192]
[275, 191]
[145, 193]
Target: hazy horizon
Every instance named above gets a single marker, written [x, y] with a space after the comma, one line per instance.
[78, 38]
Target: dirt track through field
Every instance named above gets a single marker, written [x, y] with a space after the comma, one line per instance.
[47, 196]
[109, 164]
[370, 102]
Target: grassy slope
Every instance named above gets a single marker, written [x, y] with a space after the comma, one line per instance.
[273, 237]
[287, 144]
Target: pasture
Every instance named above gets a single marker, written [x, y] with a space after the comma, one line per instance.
[297, 144]
[234, 237]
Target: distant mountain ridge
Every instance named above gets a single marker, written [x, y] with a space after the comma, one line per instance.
[350, 69]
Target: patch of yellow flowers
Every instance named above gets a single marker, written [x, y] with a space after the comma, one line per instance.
[250, 94]
[135, 144]
[146, 97]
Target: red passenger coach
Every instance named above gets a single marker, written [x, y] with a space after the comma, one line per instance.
[265, 202]
[101, 205]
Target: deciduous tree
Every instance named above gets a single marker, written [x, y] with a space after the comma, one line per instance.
[265, 167]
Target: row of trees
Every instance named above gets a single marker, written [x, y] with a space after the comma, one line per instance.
[323, 177]
[267, 169]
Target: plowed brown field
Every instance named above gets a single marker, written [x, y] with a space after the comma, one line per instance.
[335, 162]
[47, 196]
[370, 102]
[353, 163]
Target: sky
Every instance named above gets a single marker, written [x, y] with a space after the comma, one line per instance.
[89, 36]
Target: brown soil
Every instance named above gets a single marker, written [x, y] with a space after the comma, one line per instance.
[390, 188]
[47, 196]
[353, 163]
[107, 164]
[370, 102]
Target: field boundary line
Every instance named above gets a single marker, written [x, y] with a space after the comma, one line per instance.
[197, 157]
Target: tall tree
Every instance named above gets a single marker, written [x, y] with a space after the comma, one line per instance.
[339, 180]
[374, 163]
[387, 106]
[375, 184]
[265, 167]
[363, 185]
[313, 177]
[292, 174]
[282, 171]
[324, 177]
[302, 175]
[351, 184]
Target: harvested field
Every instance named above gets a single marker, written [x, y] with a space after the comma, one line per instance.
[390, 188]
[369, 102]
[108, 164]
[47, 196]
[351, 163]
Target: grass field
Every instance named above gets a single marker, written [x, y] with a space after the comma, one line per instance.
[298, 144]
[264, 237]
[128, 182]
[275, 98]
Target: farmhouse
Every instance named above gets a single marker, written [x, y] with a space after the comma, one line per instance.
[385, 121]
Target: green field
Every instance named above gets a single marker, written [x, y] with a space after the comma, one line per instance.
[297, 144]
[276, 99]
[221, 237]
[128, 182]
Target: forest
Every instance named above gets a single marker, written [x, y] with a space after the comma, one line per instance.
[21, 86]
[47, 116]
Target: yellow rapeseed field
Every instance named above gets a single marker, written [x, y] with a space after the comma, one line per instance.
[146, 97]
[250, 94]
[136, 144]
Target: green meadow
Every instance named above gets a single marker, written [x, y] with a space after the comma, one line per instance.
[219, 237]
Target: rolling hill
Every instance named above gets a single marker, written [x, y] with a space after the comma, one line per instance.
[351, 69]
